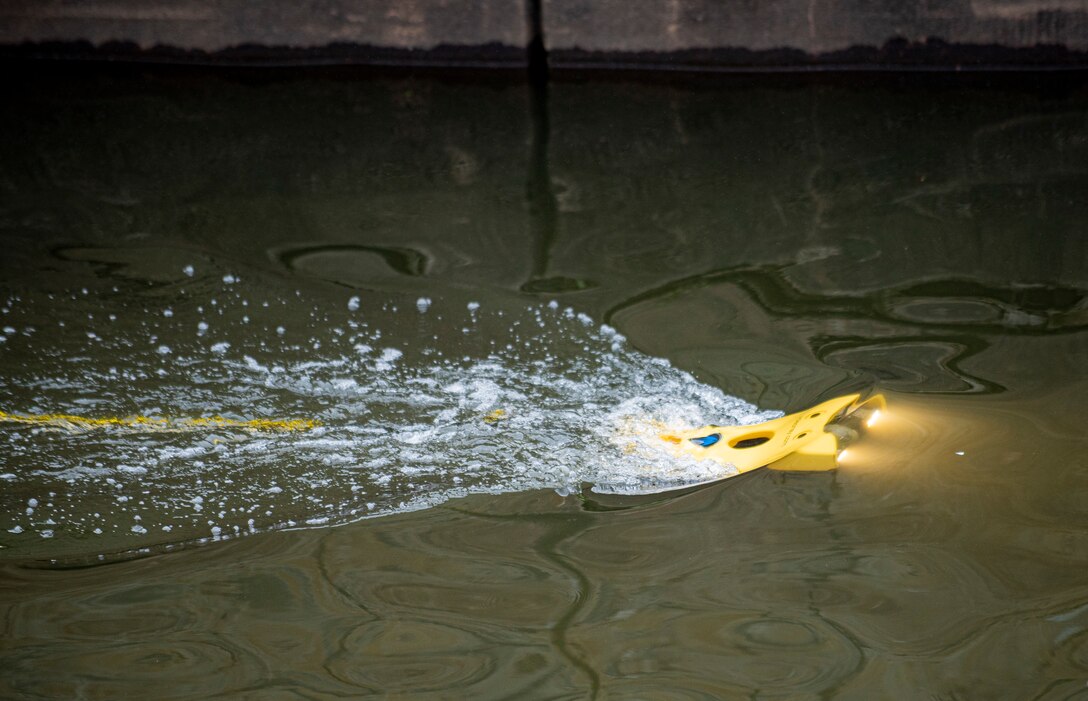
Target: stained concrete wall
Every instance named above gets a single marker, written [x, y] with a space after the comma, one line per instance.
[214, 25]
[813, 26]
[616, 32]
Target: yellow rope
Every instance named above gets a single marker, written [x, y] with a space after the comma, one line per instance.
[495, 416]
[148, 422]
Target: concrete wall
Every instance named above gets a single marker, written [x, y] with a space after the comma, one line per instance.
[677, 32]
[813, 26]
[216, 25]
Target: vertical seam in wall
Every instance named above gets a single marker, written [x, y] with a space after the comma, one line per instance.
[543, 208]
[537, 49]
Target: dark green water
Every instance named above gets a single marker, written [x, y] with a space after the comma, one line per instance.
[181, 244]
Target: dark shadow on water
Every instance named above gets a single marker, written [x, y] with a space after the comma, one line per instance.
[404, 261]
[1030, 310]
[913, 338]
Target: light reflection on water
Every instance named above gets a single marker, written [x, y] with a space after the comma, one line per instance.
[780, 243]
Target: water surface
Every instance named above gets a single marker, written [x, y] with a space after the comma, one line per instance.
[399, 258]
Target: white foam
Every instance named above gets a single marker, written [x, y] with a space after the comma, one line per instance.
[530, 400]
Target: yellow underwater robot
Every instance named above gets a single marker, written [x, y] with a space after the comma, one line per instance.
[797, 442]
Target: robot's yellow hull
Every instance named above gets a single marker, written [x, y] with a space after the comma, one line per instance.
[797, 442]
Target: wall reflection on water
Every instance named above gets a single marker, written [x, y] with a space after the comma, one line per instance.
[783, 242]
